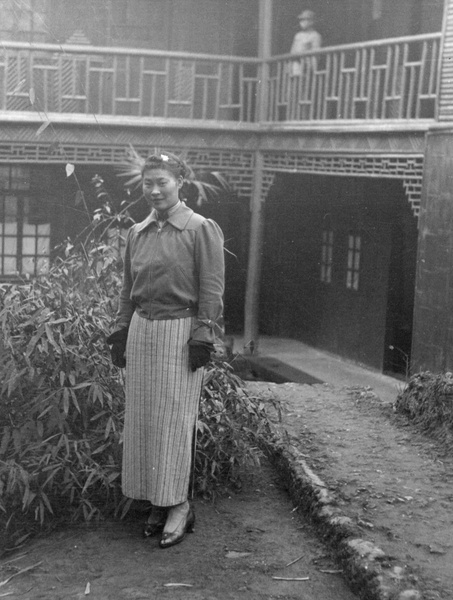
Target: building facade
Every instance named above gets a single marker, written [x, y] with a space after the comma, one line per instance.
[339, 225]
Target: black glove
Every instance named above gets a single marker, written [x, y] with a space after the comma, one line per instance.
[199, 354]
[118, 341]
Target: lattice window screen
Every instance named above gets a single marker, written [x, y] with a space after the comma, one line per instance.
[238, 165]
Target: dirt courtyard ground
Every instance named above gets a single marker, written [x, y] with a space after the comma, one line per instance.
[395, 483]
[240, 545]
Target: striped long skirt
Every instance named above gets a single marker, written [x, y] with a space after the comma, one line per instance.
[162, 397]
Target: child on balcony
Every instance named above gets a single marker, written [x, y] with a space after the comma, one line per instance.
[305, 40]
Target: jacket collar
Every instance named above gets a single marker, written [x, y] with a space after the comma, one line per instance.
[178, 219]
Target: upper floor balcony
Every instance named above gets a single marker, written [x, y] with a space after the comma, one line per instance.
[389, 80]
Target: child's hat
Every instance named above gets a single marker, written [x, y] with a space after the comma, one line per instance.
[306, 14]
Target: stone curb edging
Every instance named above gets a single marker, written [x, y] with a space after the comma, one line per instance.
[369, 571]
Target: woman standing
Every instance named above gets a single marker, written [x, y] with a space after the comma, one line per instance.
[170, 302]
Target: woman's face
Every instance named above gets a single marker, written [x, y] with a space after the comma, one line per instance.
[160, 188]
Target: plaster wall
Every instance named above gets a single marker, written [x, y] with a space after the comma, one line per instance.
[433, 314]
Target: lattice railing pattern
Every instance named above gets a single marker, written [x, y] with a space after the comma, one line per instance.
[214, 159]
[391, 79]
[445, 110]
[238, 166]
[378, 80]
[413, 189]
[383, 165]
[60, 153]
[266, 184]
[137, 83]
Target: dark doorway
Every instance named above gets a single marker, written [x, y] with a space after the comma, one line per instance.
[339, 267]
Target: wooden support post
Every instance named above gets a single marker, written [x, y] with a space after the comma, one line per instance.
[252, 292]
[265, 29]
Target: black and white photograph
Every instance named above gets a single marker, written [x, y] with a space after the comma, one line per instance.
[226, 299]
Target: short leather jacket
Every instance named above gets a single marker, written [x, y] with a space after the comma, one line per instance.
[175, 270]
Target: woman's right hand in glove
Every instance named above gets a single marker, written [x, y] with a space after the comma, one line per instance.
[117, 340]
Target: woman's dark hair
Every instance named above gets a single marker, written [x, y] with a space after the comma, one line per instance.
[168, 161]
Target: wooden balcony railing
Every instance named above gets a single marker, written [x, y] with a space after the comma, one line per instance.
[385, 79]
[127, 82]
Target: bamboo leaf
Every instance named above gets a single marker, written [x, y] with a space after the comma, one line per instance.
[6, 437]
[2, 583]
[80, 386]
[93, 475]
[66, 400]
[46, 501]
[75, 401]
[51, 338]
[126, 507]
[108, 428]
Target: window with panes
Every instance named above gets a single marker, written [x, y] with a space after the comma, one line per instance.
[24, 225]
[353, 266]
[326, 256]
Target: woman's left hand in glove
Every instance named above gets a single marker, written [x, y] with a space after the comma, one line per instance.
[199, 354]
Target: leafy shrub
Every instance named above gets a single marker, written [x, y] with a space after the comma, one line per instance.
[428, 401]
[230, 426]
[62, 402]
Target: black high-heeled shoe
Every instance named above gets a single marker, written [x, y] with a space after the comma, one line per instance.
[186, 525]
[156, 521]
